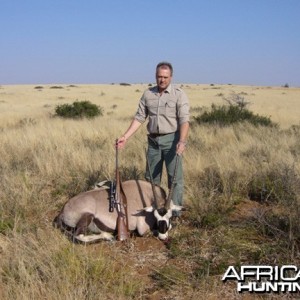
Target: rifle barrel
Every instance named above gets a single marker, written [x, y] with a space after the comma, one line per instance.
[122, 228]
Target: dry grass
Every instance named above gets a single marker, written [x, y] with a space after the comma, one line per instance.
[45, 160]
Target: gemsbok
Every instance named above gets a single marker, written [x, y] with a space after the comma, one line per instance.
[86, 217]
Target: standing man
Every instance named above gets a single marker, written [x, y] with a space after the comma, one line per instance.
[167, 110]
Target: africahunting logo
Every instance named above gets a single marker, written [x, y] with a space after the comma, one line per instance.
[264, 279]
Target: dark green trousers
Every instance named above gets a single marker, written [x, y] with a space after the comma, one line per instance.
[162, 150]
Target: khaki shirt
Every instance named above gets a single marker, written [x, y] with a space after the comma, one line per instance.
[166, 112]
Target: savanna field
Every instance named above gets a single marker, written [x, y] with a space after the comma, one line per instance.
[242, 194]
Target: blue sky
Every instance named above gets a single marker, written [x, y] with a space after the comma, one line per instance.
[253, 42]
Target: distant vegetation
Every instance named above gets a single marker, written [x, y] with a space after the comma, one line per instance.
[79, 109]
[56, 87]
[234, 112]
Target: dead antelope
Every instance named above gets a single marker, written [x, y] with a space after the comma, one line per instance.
[88, 216]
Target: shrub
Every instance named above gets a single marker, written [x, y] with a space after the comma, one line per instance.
[56, 87]
[79, 109]
[131, 172]
[6, 226]
[234, 112]
[279, 186]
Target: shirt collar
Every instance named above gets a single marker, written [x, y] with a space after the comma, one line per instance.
[168, 89]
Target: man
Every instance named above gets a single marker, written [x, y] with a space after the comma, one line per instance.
[167, 110]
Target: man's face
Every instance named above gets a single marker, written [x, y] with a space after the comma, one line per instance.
[163, 78]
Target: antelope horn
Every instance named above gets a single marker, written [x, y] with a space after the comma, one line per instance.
[168, 202]
[152, 183]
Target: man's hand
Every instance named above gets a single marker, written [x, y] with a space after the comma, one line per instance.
[180, 147]
[121, 142]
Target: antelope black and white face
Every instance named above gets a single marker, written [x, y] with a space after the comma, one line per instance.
[163, 219]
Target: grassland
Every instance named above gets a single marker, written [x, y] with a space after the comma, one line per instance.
[242, 193]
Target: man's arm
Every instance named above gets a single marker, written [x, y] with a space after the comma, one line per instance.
[183, 131]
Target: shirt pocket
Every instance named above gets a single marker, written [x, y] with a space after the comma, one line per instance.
[171, 108]
[152, 106]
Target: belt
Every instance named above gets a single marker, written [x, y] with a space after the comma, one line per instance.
[155, 135]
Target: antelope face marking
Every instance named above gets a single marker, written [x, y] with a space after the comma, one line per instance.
[163, 217]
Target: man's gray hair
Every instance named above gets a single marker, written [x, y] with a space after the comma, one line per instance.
[165, 65]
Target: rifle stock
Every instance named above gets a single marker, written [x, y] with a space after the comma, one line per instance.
[122, 229]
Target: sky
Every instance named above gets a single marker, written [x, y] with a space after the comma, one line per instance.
[246, 42]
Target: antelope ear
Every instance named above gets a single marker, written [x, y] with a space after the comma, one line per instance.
[176, 207]
[139, 213]
[169, 213]
[148, 209]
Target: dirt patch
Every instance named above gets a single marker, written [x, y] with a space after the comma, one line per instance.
[247, 210]
[142, 255]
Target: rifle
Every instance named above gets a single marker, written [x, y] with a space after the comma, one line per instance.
[120, 201]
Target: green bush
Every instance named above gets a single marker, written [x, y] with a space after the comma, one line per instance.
[79, 109]
[228, 114]
[234, 112]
